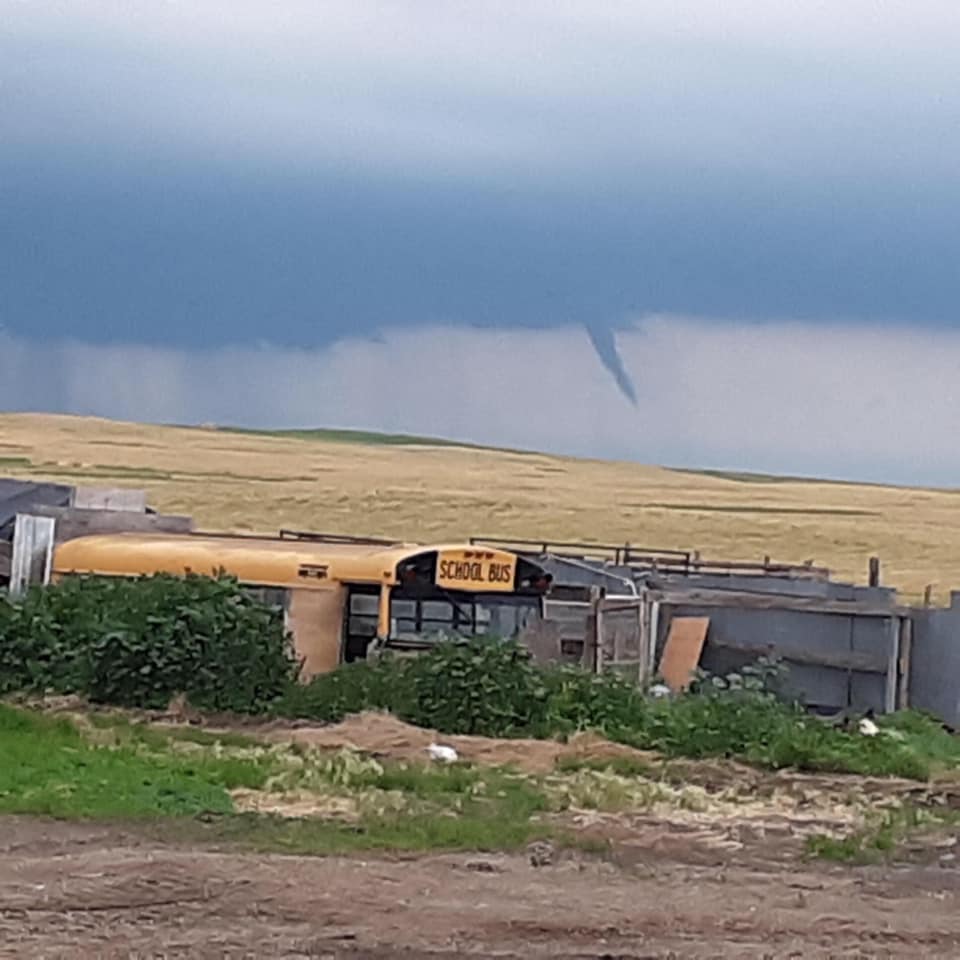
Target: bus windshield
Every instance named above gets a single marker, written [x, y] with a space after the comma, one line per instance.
[459, 614]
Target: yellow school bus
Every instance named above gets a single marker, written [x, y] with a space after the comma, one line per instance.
[342, 598]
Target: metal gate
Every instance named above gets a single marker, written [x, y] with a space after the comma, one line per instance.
[623, 632]
[604, 633]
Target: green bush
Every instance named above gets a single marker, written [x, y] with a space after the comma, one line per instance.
[491, 688]
[476, 687]
[578, 700]
[138, 642]
[353, 688]
[484, 687]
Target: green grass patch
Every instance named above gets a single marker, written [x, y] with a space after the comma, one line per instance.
[924, 736]
[370, 438]
[748, 476]
[100, 471]
[50, 768]
[762, 509]
[160, 736]
[131, 772]
[455, 808]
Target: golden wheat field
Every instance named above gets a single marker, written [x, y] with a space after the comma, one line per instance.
[250, 482]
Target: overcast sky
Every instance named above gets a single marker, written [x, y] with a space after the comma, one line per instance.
[437, 216]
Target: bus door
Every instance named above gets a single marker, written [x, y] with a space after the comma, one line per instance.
[360, 623]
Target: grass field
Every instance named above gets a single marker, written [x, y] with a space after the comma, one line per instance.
[362, 483]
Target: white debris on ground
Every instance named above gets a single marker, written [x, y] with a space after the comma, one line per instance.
[441, 753]
[868, 728]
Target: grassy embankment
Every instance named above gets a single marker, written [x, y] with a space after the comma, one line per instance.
[115, 770]
[189, 784]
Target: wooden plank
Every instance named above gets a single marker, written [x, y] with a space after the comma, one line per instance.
[32, 552]
[73, 523]
[906, 649]
[841, 660]
[758, 601]
[564, 593]
[109, 498]
[681, 653]
[315, 618]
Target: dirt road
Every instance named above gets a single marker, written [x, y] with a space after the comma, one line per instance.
[80, 891]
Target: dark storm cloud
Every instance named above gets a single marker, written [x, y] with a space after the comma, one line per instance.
[229, 172]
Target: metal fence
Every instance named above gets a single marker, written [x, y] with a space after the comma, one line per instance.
[845, 646]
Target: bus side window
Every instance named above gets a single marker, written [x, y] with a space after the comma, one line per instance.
[278, 598]
[436, 616]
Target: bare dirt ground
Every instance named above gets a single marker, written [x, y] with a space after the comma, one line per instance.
[85, 891]
[724, 877]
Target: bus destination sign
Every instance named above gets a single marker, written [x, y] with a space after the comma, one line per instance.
[476, 570]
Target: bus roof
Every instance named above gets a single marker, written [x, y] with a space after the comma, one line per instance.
[254, 560]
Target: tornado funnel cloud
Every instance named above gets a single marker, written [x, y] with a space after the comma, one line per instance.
[605, 343]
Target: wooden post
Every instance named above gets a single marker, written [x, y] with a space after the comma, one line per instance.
[928, 595]
[650, 666]
[874, 572]
[892, 684]
[594, 652]
[643, 641]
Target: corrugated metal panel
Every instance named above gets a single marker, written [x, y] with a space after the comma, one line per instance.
[110, 498]
[21, 496]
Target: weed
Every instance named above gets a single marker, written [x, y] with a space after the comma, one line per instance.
[881, 838]
[624, 766]
[160, 736]
[607, 792]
